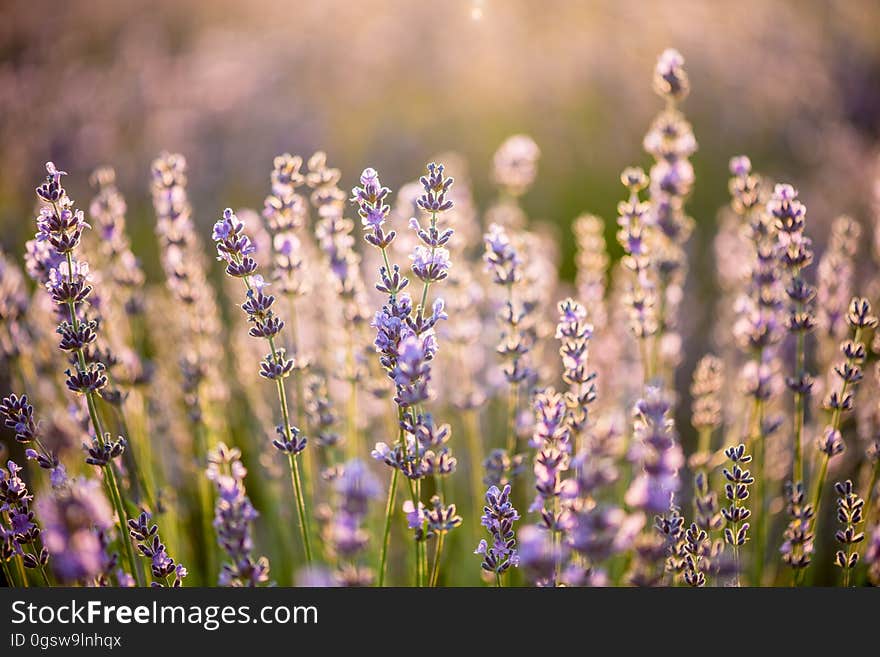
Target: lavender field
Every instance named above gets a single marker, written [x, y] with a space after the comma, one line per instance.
[571, 317]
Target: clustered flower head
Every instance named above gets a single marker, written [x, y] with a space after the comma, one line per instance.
[658, 452]
[150, 545]
[849, 514]
[20, 534]
[670, 78]
[641, 297]
[498, 518]
[355, 488]
[75, 519]
[233, 516]
[515, 165]
[705, 390]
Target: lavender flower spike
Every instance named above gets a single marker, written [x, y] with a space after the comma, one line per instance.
[235, 247]
[74, 519]
[498, 518]
[233, 517]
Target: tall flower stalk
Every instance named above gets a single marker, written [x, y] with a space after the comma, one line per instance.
[641, 297]
[841, 397]
[235, 248]
[406, 343]
[849, 514]
[498, 518]
[61, 226]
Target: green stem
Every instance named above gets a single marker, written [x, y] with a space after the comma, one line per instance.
[498, 583]
[438, 553]
[22, 573]
[300, 505]
[512, 403]
[206, 504]
[7, 574]
[389, 511]
[761, 519]
[415, 501]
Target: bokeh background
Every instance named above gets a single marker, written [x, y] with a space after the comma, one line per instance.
[388, 83]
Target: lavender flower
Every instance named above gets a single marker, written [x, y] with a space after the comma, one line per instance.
[75, 520]
[658, 453]
[539, 555]
[670, 78]
[235, 248]
[575, 333]
[17, 521]
[233, 517]
[736, 490]
[641, 298]
[150, 545]
[62, 226]
[355, 488]
[797, 549]
[498, 518]
[849, 514]
[795, 255]
[840, 399]
[515, 164]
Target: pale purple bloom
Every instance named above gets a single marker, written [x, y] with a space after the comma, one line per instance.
[74, 517]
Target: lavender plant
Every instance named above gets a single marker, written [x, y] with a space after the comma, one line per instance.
[235, 248]
[385, 340]
[498, 518]
[61, 227]
[233, 517]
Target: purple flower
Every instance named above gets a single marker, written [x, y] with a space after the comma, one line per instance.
[500, 256]
[415, 517]
[515, 164]
[430, 265]
[658, 452]
[498, 518]
[670, 78]
[436, 185]
[74, 520]
[233, 516]
[162, 566]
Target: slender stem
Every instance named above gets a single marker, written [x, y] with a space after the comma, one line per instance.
[426, 283]
[389, 511]
[292, 460]
[835, 425]
[498, 583]
[301, 420]
[300, 505]
[820, 484]
[294, 467]
[761, 516]
[472, 434]
[799, 413]
[557, 539]
[415, 501]
[512, 402]
[7, 574]
[22, 573]
[206, 504]
[438, 553]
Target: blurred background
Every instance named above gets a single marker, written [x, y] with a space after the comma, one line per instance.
[388, 83]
